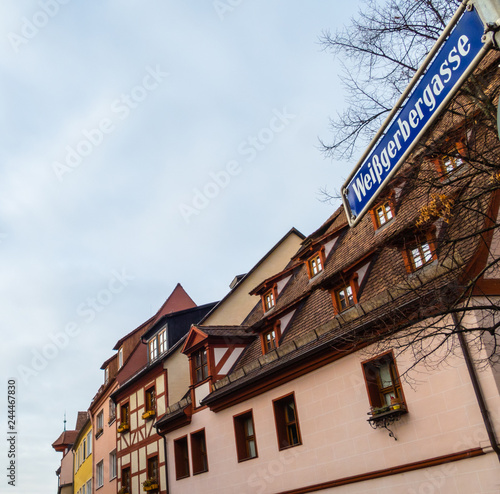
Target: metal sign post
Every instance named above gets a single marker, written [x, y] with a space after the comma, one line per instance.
[457, 52]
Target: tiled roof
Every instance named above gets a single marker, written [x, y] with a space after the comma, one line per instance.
[67, 438]
[388, 294]
[80, 420]
[177, 301]
[226, 331]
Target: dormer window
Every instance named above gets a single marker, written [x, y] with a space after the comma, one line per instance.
[269, 299]
[200, 366]
[345, 297]
[383, 212]
[106, 375]
[162, 340]
[158, 344]
[120, 358]
[451, 160]
[420, 253]
[450, 163]
[153, 349]
[270, 338]
[315, 265]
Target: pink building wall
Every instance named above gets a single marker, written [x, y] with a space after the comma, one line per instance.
[338, 442]
[105, 443]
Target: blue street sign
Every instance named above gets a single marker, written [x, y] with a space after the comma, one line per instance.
[461, 51]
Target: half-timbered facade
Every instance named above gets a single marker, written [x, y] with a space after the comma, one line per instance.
[145, 396]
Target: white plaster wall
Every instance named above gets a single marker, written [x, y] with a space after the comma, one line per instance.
[160, 405]
[177, 367]
[139, 398]
[337, 441]
[152, 448]
[201, 391]
[236, 307]
[134, 461]
[142, 459]
[160, 385]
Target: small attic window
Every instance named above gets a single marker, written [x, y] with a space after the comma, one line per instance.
[269, 299]
[420, 253]
[450, 163]
[120, 358]
[383, 212]
[451, 160]
[270, 338]
[158, 344]
[315, 265]
[346, 295]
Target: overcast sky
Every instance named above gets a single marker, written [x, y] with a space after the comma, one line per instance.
[144, 143]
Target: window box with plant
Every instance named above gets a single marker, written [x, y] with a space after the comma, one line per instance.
[150, 399]
[123, 490]
[150, 484]
[148, 414]
[99, 432]
[123, 427]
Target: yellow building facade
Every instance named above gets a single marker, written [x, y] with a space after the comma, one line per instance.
[82, 460]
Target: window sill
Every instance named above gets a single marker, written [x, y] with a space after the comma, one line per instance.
[423, 269]
[282, 448]
[383, 227]
[246, 459]
[383, 419]
[200, 472]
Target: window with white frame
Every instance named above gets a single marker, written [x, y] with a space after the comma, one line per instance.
[120, 358]
[89, 443]
[112, 465]
[158, 344]
[162, 340]
[100, 474]
[153, 349]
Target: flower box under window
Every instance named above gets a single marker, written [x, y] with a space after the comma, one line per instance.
[149, 485]
[123, 427]
[99, 432]
[148, 414]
